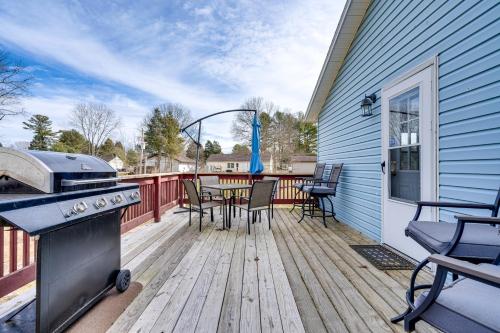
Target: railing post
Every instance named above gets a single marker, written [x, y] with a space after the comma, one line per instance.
[180, 191]
[157, 199]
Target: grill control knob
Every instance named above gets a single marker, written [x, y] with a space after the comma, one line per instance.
[117, 199]
[100, 203]
[135, 195]
[80, 207]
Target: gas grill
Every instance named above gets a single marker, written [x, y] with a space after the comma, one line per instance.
[72, 204]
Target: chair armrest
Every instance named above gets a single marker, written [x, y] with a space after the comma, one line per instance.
[478, 219]
[464, 268]
[453, 204]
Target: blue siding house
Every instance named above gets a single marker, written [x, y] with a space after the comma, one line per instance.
[431, 70]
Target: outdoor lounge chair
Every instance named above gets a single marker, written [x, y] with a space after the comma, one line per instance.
[196, 204]
[477, 242]
[321, 190]
[319, 169]
[469, 304]
[260, 199]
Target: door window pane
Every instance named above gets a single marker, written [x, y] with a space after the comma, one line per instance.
[403, 119]
[405, 173]
[404, 146]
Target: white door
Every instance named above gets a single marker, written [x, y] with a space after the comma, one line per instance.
[408, 157]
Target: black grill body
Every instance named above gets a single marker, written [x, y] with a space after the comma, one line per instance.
[78, 232]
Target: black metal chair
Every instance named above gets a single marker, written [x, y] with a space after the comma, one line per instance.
[319, 170]
[196, 203]
[260, 199]
[477, 242]
[469, 304]
[321, 190]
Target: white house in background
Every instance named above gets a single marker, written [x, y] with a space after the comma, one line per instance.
[115, 162]
[303, 164]
[184, 164]
[236, 162]
[178, 164]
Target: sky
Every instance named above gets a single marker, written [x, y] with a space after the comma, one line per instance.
[133, 55]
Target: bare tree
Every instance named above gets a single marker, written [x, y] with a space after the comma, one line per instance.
[242, 124]
[96, 122]
[14, 83]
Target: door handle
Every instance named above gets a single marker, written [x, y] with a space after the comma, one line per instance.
[382, 167]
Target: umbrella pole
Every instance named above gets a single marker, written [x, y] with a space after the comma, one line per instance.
[197, 153]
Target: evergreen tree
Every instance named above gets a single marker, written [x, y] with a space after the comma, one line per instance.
[173, 145]
[216, 148]
[43, 136]
[70, 142]
[153, 135]
[107, 148]
[162, 131]
[132, 157]
[208, 149]
[120, 151]
[241, 149]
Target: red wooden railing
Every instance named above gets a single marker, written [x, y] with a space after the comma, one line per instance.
[159, 192]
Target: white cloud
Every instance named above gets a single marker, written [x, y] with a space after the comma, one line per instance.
[207, 55]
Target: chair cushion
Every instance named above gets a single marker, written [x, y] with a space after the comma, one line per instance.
[325, 190]
[472, 300]
[478, 240]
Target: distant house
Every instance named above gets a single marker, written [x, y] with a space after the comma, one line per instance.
[115, 162]
[236, 162]
[178, 164]
[183, 164]
[303, 164]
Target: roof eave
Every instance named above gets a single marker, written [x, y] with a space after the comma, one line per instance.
[352, 15]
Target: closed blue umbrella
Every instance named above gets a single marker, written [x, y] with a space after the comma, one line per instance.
[256, 165]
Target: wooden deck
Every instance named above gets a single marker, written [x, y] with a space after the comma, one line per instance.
[295, 278]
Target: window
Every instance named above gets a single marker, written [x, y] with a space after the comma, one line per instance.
[404, 146]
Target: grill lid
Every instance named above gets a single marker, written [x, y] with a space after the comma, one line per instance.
[51, 172]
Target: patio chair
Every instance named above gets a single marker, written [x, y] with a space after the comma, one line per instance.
[476, 242]
[211, 194]
[469, 304]
[321, 189]
[319, 169]
[196, 204]
[260, 199]
[275, 189]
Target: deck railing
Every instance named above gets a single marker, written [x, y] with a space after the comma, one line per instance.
[159, 192]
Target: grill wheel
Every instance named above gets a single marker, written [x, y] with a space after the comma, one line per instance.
[123, 280]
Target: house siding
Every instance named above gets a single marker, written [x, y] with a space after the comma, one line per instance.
[393, 38]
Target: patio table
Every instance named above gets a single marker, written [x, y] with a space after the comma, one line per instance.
[232, 188]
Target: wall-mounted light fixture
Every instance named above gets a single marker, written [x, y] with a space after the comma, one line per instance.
[366, 105]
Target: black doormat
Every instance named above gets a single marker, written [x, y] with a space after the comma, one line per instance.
[383, 258]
